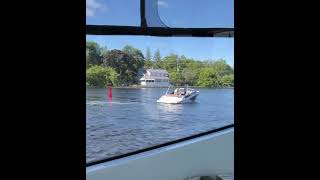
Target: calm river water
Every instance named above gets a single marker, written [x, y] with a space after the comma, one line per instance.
[133, 120]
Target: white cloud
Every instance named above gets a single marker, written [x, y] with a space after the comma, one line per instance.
[92, 6]
[163, 3]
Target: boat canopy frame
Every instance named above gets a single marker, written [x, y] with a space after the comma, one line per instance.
[152, 25]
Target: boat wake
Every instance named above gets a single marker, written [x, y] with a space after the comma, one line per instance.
[100, 103]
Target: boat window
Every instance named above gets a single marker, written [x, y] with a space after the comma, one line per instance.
[197, 14]
[113, 12]
[130, 119]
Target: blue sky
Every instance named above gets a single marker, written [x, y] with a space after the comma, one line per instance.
[174, 13]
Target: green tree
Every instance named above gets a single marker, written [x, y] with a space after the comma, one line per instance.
[137, 55]
[176, 78]
[124, 64]
[93, 54]
[133, 51]
[222, 68]
[127, 63]
[103, 52]
[87, 58]
[101, 76]
[170, 62]
[208, 78]
[157, 59]
[182, 62]
[228, 80]
[189, 75]
[148, 63]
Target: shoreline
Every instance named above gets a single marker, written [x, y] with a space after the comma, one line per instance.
[143, 87]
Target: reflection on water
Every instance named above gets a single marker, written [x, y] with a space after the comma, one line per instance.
[132, 119]
[175, 109]
[170, 108]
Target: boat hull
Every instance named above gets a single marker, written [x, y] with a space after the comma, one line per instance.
[178, 99]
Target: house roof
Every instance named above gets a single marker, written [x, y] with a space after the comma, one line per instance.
[153, 77]
[157, 71]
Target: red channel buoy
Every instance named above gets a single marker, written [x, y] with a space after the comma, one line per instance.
[110, 92]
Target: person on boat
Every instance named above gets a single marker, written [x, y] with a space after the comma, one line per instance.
[183, 92]
[176, 92]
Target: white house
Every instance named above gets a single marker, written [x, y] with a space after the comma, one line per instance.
[155, 78]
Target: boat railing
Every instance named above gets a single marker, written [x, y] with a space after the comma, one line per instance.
[168, 89]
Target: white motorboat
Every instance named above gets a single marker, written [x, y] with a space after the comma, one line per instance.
[179, 95]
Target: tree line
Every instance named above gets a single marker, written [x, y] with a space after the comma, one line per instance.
[122, 67]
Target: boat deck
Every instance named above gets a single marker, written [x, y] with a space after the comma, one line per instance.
[172, 95]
